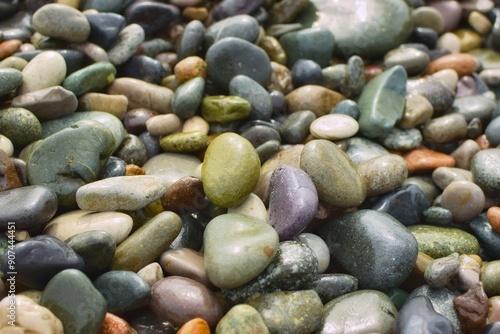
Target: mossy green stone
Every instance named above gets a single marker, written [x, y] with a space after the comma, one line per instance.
[147, 243]
[91, 78]
[184, 142]
[10, 79]
[439, 242]
[241, 318]
[187, 97]
[223, 109]
[71, 296]
[230, 171]
[20, 125]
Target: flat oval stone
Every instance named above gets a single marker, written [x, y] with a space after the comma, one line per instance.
[126, 44]
[334, 127]
[331, 286]
[333, 173]
[123, 290]
[20, 125]
[70, 158]
[318, 99]
[120, 193]
[90, 78]
[462, 63]
[184, 142]
[230, 170]
[27, 206]
[383, 174]
[293, 268]
[464, 199]
[442, 241]
[382, 102]
[444, 176]
[424, 160]
[39, 259]
[62, 22]
[413, 60]
[224, 109]
[243, 26]
[185, 262]
[377, 316]
[232, 238]
[241, 317]
[76, 222]
[48, 103]
[191, 40]
[223, 59]
[97, 249]
[393, 250]
[171, 167]
[188, 97]
[258, 97]
[454, 123]
[475, 106]
[11, 79]
[180, 299]
[161, 125]
[485, 172]
[291, 311]
[316, 44]
[81, 312]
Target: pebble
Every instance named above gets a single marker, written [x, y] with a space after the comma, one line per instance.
[195, 123]
[151, 273]
[487, 237]
[11, 80]
[484, 171]
[491, 328]
[474, 299]
[401, 139]
[61, 22]
[306, 72]
[444, 176]
[29, 317]
[81, 312]
[242, 26]
[161, 125]
[123, 290]
[171, 167]
[343, 313]
[6, 145]
[187, 97]
[250, 90]
[224, 239]
[147, 242]
[90, 78]
[184, 142]
[319, 247]
[418, 315]
[464, 199]
[491, 131]
[361, 149]
[196, 325]
[289, 215]
[494, 218]
[104, 27]
[454, 123]
[185, 262]
[9, 180]
[417, 111]
[462, 63]
[179, 299]
[440, 96]
[76, 222]
[334, 127]
[318, 99]
[285, 312]
[476, 106]
[132, 150]
[252, 206]
[295, 127]
[241, 318]
[413, 60]
[20, 125]
[225, 109]
[190, 68]
[442, 241]
[230, 171]
[423, 159]
[97, 249]
[126, 44]
[299, 45]
[347, 107]
[114, 324]
[441, 271]
[468, 273]
[490, 278]
[383, 174]
[152, 17]
[464, 153]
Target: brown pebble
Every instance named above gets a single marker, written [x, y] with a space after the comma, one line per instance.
[371, 71]
[424, 160]
[195, 326]
[196, 123]
[281, 78]
[468, 273]
[462, 63]
[189, 68]
[8, 48]
[132, 170]
[195, 13]
[493, 309]
[483, 142]
[115, 325]
[185, 195]
[114, 104]
[464, 153]
[185, 262]
[493, 215]
[8, 174]
[472, 308]
[416, 277]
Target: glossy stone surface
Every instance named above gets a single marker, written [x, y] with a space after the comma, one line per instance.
[418, 316]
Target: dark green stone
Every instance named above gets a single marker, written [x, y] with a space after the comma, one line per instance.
[316, 44]
[331, 286]
[295, 128]
[97, 249]
[70, 158]
[91, 78]
[398, 296]
[73, 299]
[20, 125]
[250, 90]
[123, 290]
[187, 97]
[241, 26]
[10, 79]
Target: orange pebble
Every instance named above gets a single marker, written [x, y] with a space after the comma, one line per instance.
[131, 170]
[483, 142]
[189, 68]
[195, 326]
[372, 71]
[7, 48]
[462, 63]
[424, 160]
[115, 325]
[493, 215]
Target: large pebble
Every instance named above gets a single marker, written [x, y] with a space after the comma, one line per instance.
[472, 308]
[418, 110]
[334, 127]
[441, 271]
[418, 316]
[440, 96]
[230, 170]
[316, 44]
[295, 127]
[126, 44]
[491, 278]
[393, 250]
[485, 171]
[333, 173]
[250, 90]
[20, 125]
[243, 26]
[224, 109]
[90, 78]
[97, 249]
[447, 128]
[464, 199]
[230, 240]
[241, 318]
[414, 61]
[361, 149]
[344, 314]
[444, 176]
[475, 106]
[187, 97]
[120, 193]
[62, 22]
[72, 298]
[383, 174]
[462, 63]
[171, 167]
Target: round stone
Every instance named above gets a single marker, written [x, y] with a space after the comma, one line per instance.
[187, 97]
[232, 238]
[161, 125]
[20, 125]
[383, 174]
[97, 249]
[319, 247]
[413, 60]
[243, 26]
[418, 313]
[190, 68]
[295, 127]
[490, 276]
[447, 128]
[464, 199]
[62, 22]
[334, 127]
[241, 317]
[428, 17]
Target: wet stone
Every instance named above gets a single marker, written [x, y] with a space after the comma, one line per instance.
[468, 273]
[305, 44]
[90, 78]
[490, 277]
[417, 111]
[424, 160]
[151, 273]
[144, 68]
[306, 72]
[224, 109]
[441, 271]
[331, 286]
[135, 120]
[447, 128]
[334, 127]
[147, 322]
[97, 249]
[48, 103]
[250, 90]
[443, 176]
[319, 248]
[185, 262]
[437, 216]
[9, 178]
[260, 134]
[347, 107]
[418, 315]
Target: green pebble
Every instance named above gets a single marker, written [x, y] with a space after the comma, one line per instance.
[184, 142]
[187, 97]
[10, 79]
[490, 276]
[224, 109]
[20, 125]
[91, 78]
[97, 249]
[241, 318]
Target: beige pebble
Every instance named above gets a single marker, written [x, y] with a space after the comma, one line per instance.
[185, 262]
[418, 110]
[383, 174]
[45, 70]
[116, 105]
[480, 23]
[469, 39]
[491, 77]
[151, 273]
[428, 17]
[443, 176]
[464, 153]
[334, 127]
[448, 77]
[445, 129]
[162, 125]
[449, 41]
[27, 47]
[318, 99]
[493, 309]
[464, 199]
[6, 145]
[93, 51]
[252, 206]
[196, 123]
[14, 62]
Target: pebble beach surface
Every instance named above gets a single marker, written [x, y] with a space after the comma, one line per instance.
[265, 166]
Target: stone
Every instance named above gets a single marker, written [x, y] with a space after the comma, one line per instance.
[62, 22]
[318, 99]
[180, 299]
[185, 262]
[295, 127]
[462, 63]
[132, 150]
[454, 123]
[76, 222]
[490, 278]
[484, 171]
[223, 59]
[291, 311]
[171, 167]
[491, 131]
[113, 104]
[250, 90]
[347, 107]
[29, 316]
[439, 242]
[230, 170]
[493, 216]
[104, 27]
[191, 40]
[441, 271]
[126, 44]
[464, 199]
[11, 80]
[115, 324]
[334, 127]
[242, 26]
[20, 125]
[468, 273]
[6, 145]
[123, 290]
[444, 176]
[305, 44]
[152, 17]
[401, 139]
[331, 286]
[8, 176]
[418, 315]
[27, 206]
[472, 307]
[97, 249]
[196, 325]
[81, 312]
[337, 181]
[151, 273]
[306, 72]
[120, 193]
[252, 206]
[188, 97]
[184, 142]
[224, 238]
[414, 61]
[377, 315]
[391, 243]
[224, 109]
[147, 242]
[319, 247]
[190, 68]
[360, 149]
[91, 78]
[418, 110]
[293, 201]
[424, 160]
[476, 106]
[428, 17]
[383, 174]
[488, 238]
[74, 167]
[439, 95]
[239, 318]
[260, 133]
